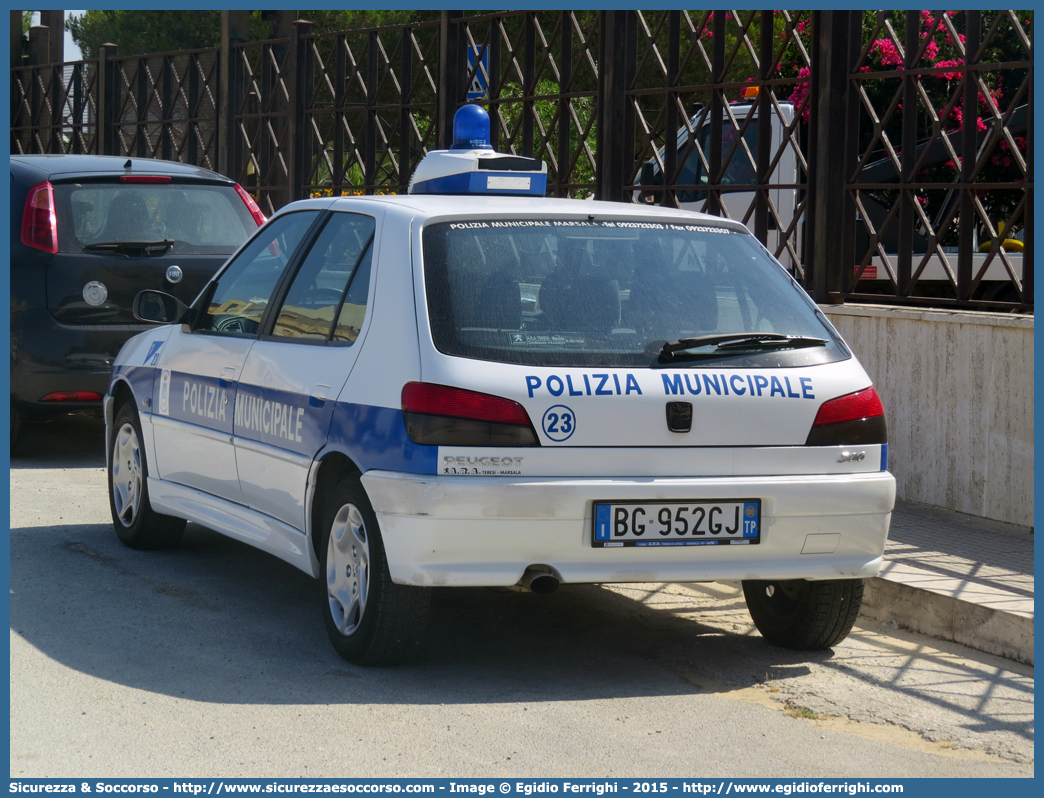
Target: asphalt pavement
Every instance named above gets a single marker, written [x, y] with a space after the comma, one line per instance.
[211, 660]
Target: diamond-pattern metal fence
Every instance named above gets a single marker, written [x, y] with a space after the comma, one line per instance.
[880, 156]
[942, 173]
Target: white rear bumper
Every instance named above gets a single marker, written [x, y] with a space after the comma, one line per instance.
[485, 531]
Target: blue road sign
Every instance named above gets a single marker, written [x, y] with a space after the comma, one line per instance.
[479, 85]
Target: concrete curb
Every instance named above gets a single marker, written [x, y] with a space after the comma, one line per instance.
[979, 616]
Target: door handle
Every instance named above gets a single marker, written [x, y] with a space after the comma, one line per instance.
[227, 377]
[318, 395]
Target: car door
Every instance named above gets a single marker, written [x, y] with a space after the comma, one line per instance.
[293, 374]
[199, 368]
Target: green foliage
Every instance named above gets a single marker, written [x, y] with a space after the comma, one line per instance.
[27, 21]
[143, 31]
[329, 20]
[140, 32]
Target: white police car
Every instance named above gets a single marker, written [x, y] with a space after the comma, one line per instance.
[475, 385]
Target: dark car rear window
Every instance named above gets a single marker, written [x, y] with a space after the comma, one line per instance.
[611, 293]
[199, 219]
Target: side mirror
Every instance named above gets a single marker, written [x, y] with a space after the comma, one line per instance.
[157, 306]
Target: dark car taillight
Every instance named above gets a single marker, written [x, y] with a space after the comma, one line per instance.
[850, 420]
[255, 211]
[39, 223]
[72, 396]
[438, 415]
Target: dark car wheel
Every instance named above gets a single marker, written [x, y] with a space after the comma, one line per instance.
[803, 615]
[370, 620]
[136, 523]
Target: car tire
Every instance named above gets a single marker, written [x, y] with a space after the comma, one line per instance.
[370, 620]
[137, 524]
[17, 423]
[803, 615]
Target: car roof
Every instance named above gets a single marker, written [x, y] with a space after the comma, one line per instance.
[435, 205]
[68, 165]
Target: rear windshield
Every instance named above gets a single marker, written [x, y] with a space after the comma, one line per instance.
[612, 293]
[199, 219]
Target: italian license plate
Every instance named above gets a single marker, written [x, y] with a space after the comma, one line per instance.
[700, 522]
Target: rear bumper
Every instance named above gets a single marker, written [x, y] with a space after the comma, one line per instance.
[485, 531]
[47, 357]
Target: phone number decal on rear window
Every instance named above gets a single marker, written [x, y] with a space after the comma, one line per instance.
[698, 228]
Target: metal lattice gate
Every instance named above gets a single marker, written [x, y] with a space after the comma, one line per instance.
[852, 158]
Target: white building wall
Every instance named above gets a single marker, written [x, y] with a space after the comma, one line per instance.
[957, 387]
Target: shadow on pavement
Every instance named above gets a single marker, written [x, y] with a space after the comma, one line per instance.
[216, 620]
[76, 441]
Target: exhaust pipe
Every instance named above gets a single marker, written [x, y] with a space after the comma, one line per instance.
[539, 579]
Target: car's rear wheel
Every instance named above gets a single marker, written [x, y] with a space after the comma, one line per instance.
[803, 615]
[136, 523]
[370, 620]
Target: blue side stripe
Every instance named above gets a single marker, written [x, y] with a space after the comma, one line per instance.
[375, 438]
[141, 379]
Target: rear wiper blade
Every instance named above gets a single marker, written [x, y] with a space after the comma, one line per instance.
[737, 340]
[148, 247]
[785, 342]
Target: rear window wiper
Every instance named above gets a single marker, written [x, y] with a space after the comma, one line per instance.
[738, 340]
[148, 247]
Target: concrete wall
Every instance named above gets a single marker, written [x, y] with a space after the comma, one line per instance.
[957, 387]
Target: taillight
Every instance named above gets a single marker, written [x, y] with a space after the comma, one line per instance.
[72, 396]
[144, 178]
[251, 205]
[39, 223]
[438, 415]
[850, 420]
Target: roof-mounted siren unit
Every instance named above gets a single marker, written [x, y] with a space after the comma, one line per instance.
[471, 166]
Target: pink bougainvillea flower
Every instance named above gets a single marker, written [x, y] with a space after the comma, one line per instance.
[800, 91]
[888, 52]
[948, 75]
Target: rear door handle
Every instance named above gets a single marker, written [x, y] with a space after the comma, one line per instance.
[318, 395]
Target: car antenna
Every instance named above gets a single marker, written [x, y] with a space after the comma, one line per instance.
[127, 165]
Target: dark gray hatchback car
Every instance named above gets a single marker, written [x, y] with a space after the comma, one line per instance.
[88, 232]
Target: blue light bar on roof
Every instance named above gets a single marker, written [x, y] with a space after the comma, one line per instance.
[472, 167]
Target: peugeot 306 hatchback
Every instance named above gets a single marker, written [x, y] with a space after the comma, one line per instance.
[88, 232]
[397, 394]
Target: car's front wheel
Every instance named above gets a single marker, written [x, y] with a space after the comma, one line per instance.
[804, 615]
[370, 620]
[136, 523]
